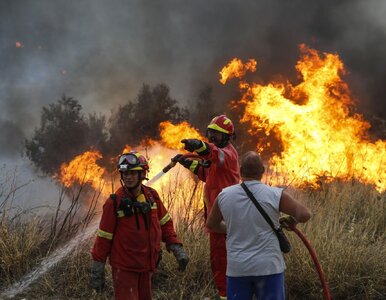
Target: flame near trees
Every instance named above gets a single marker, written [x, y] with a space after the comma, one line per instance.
[319, 135]
[237, 69]
[83, 169]
[172, 134]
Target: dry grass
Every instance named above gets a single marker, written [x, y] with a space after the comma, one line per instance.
[20, 246]
[347, 231]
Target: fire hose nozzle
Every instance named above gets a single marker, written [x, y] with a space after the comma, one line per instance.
[180, 157]
[176, 158]
[169, 166]
[288, 222]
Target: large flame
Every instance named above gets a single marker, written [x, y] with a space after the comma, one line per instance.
[236, 69]
[157, 155]
[319, 134]
[172, 134]
[83, 169]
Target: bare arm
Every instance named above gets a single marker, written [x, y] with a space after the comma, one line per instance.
[290, 206]
[215, 220]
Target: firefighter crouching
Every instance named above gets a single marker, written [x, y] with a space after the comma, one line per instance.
[133, 223]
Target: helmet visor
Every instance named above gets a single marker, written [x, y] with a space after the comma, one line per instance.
[128, 162]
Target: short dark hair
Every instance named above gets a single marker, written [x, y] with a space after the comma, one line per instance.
[251, 165]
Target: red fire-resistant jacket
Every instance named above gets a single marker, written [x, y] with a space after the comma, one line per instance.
[128, 247]
[223, 172]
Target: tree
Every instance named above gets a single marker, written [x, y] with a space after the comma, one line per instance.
[139, 119]
[97, 133]
[204, 109]
[121, 123]
[63, 133]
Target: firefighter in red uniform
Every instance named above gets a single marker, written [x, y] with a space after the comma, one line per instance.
[223, 172]
[134, 221]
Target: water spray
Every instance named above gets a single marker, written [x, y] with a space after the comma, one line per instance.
[62, 252]
[50, 261]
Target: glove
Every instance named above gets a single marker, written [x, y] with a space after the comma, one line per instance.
[159, 259]
[97, 276]
[192, 145]
[180, 255]
[195, 145]
[190, 164]
[287, 221]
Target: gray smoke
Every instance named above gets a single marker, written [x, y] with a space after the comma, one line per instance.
[101, 52]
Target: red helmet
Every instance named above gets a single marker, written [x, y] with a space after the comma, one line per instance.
[223, 124]
[132, 161]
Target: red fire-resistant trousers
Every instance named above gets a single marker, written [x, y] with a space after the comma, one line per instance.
[131, 285]
[218, 261]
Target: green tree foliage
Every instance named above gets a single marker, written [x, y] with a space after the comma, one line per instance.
[204, 110]
[139, 119]
[63, 133]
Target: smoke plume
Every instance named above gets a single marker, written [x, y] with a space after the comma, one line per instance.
[101, 52]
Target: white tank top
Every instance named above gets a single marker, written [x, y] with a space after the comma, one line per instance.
[252, 246]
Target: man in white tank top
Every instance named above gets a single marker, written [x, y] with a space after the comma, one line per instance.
[255, 263]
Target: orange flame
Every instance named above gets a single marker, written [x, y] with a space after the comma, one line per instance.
[172, 135]
[158, 157]
[144, 145]
[127, 149]
[319, 135]
[237, 69]
[83, 169]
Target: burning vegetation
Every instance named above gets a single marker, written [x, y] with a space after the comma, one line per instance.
[312, 125]
[83, 169]
[313, 122]
[172, 134]
[315, 133]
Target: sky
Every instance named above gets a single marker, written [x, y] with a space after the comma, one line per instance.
[101, 52]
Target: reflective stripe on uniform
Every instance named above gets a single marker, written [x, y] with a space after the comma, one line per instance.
[193, 166]
[202, 148]
[165, 219]
[154, 205]
[120, 214]
[104, 234]
[221, 156]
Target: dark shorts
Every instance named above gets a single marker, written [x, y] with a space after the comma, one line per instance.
[269, 287]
